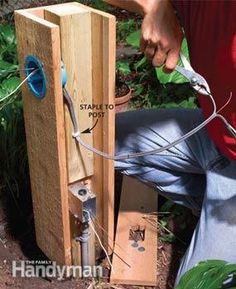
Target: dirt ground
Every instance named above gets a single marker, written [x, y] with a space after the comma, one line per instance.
[17, 242]
[12, 251]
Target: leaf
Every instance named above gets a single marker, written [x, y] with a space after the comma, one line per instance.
[123, 67]
[207, 275]
[188, 103]
[138, 89]
[140, 63]
[174, 77]
[6, 66]
[215, 277]
[7, 34]
[2, 93]
[169, 105]
[10, 84]
[170, 238]
[134, 38]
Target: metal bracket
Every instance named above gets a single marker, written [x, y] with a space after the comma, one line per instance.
[81, 199]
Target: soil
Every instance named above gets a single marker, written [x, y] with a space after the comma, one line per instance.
[17, 242]
[121, 89]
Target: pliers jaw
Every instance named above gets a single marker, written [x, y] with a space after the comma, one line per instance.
[197, 81]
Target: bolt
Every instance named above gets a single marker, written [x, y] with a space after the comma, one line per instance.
[82, 192]
[194, 81]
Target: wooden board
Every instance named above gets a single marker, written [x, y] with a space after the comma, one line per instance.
[103, 33]
[88, 51]
[95, 51]
[44, 124]
[76, 49]
[103, 62]
[135, 262]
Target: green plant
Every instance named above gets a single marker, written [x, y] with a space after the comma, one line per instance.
[9, 78]
[97, 4]
[14, 177]
[125, 27]
[169, 212]
[168, 91]
[164, 78]
[211, 274]
[122, 67]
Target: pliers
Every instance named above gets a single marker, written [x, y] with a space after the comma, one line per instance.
[197, 81]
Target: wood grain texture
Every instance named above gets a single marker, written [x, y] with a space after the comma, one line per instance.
[88, 50]
[137, 267]
[45, 132]
[75, 32]
[39, 12]
[103, 63]
[103, 33]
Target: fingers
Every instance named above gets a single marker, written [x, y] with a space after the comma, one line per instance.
[159, 57]
[148, 47]
[150, 51]
[159, 54]
[171, 60]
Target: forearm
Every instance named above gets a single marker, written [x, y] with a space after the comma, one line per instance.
[142, 7]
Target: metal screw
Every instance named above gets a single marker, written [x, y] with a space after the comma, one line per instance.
[82, 192]
[194, 81]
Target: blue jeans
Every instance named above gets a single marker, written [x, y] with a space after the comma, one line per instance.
[194, 174]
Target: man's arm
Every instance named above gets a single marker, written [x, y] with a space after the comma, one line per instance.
[161, 35]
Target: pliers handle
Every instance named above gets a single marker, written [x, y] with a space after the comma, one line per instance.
[197, 81]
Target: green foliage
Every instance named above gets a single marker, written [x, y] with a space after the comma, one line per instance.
[125, 27]
[9, 78]
[122, 67]
[148, 92]
[168, 90]
[13, 158]
[164, 78]
[133, 39]
[173, 77]
[97, 4]
[210, 274]
[168, 211]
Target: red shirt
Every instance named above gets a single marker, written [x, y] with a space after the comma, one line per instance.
[210, 28]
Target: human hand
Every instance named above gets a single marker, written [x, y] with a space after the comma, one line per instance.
[161, 35]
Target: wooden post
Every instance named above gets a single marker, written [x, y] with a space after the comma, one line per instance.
[44, 124]
[84, 39]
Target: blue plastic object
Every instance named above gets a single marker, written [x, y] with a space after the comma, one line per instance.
[37, 81]
[63, 75]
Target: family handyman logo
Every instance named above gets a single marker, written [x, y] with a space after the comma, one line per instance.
[45, 269]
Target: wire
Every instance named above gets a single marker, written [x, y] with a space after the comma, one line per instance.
[95, 220]
[11, 93]
[76, 133]
[16, 70]
[90, 222]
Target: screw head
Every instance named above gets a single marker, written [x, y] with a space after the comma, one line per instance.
[82, 192]
[194, 81]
